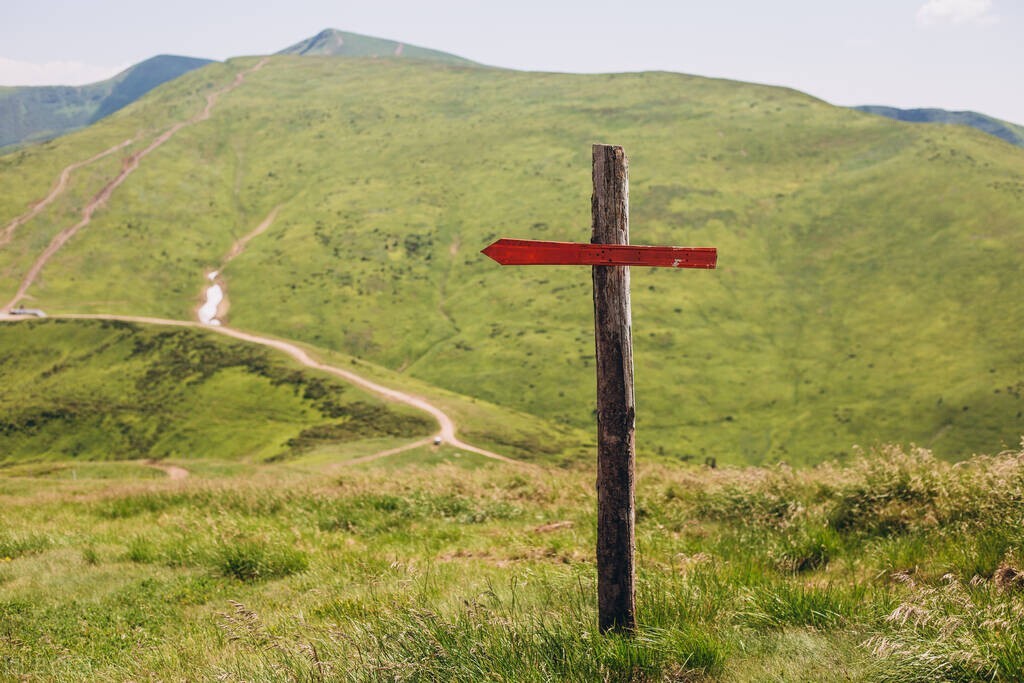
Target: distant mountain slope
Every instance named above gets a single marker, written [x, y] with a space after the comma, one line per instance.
[869, 285]
[34, 113]
[1005, 130]
[334, 43]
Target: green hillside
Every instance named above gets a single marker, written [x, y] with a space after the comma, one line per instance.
[334, 43]
[1004, 130]
[31, 113]
[870, 286]
[112, 391]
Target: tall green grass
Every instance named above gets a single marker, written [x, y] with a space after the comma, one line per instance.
[440, 572]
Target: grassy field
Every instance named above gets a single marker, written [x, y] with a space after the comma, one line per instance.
[870, 287]
[894, 566]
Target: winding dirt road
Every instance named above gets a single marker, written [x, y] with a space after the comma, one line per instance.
[447, 432]
[446, 424]
[173, 472]
[391, 451]
[129, 166]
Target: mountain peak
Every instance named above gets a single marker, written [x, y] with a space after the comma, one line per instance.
[328, 41]
[331, 42]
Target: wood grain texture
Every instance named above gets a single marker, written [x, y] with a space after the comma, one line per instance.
[616, 412]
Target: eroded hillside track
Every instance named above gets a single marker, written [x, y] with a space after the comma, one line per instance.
[58, 189]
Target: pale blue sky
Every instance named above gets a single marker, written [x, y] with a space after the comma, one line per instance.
[956, 54]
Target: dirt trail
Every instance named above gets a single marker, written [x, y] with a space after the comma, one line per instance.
[62, 184]
[447, 425]
[173, 471]
[239, 246]
[176, 473]
[129, 166]
[390, 451]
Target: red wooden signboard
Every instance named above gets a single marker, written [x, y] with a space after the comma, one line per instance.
[509, 252]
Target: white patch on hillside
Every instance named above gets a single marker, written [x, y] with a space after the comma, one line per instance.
[208, 311]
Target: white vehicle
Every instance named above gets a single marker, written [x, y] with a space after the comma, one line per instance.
[28, 311]
[437, 441]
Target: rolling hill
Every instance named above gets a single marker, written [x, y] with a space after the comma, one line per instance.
[33, 113]
[103, 390]
[869, 287]
[1003, 130]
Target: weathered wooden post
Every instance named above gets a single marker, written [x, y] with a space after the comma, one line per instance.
[616, 409]
[610, 254]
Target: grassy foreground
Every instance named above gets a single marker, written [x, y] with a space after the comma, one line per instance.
[893, 566]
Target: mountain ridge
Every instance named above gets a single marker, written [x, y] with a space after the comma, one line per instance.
[40, 113]
[1004, 130]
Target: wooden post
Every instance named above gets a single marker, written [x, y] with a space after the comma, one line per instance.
[616, 411]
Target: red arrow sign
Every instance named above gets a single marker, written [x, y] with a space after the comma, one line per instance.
[539, 253]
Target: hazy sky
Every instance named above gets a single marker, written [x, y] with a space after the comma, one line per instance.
[955, 54]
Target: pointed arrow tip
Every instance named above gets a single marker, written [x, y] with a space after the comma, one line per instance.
[490, 250]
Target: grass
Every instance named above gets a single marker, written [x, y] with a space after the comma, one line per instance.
[433, 571]
[854, 250]
[845, 312]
